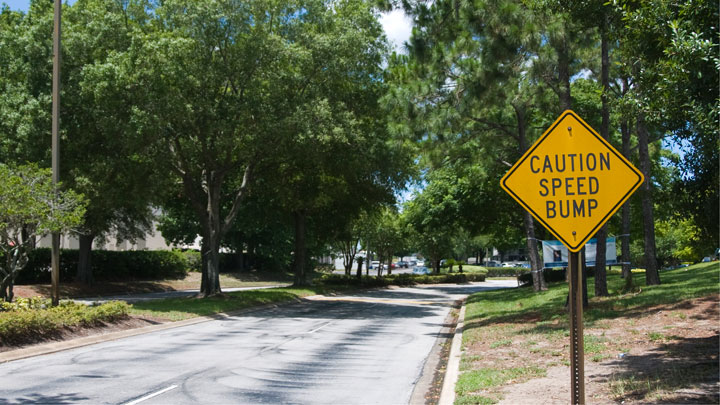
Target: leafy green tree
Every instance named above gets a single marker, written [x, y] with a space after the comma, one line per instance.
[102, 156]
[338, 156]
[670, 51]
[386, 237]
[204, 77]
[433, 215]
[30, 207]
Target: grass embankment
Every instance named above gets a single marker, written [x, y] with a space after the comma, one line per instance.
[515, 335]
[176, 309]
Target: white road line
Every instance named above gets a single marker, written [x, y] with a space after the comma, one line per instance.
[151, 395]
[315, 330]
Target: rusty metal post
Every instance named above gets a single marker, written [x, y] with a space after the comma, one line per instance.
[55, 261]
[577, 353]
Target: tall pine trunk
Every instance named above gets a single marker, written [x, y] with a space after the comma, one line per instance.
[652, 277]
[84, 268]
[625, 243]
[601, 289]
[537, 270]
[528, 222]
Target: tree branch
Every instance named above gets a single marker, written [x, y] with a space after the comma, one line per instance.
[247, 177]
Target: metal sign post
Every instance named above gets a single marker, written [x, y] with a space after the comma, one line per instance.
[577, 354]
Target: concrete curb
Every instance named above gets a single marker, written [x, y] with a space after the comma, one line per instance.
[48, 348]
[452, 372]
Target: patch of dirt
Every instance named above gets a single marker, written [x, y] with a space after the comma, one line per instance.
[131, 322]
[664, 354]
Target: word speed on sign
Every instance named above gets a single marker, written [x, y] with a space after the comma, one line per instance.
[572, 180]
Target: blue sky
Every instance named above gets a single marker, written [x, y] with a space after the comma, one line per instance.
[24, 4]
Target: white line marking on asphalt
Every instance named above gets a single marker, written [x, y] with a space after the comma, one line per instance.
[315, 330]
[151, 395]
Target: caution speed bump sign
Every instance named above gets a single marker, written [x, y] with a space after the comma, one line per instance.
[572, 180]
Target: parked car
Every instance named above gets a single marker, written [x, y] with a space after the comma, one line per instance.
[412, 263]
[492, 263]
[374, 264]
[706, 259]
[403, 264]
[421, 270]
[508, 264]
[420, 264]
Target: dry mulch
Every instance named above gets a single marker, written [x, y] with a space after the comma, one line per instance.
[665, 354]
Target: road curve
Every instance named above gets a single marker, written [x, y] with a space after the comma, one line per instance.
[364, 348]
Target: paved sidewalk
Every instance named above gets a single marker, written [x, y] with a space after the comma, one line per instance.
[133, 298]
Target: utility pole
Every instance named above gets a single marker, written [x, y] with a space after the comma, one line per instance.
[56, 149]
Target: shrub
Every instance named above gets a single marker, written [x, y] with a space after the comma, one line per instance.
[32, 320]
[107, 265]
[550, 275]
[404, 279]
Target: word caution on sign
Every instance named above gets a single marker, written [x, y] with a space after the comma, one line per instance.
[572, 180]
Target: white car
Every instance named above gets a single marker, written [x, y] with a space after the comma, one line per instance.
[508, 264]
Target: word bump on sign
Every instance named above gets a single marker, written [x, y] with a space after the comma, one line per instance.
[572, 180]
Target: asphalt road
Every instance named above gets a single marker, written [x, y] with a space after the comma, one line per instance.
[367, 348]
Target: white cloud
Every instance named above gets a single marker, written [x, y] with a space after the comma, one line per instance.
[398, 28]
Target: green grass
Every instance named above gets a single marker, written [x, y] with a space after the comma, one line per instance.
[543, 313]
[491, 307]
[501, 343]
[477, 380]
[176, 309]
[593, 344]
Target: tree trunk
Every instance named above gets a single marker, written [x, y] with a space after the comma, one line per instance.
[625, 243]
[601, 289]
[300, 249]
[389, 265]
[359, 269]
[212, 233]
[528, 223]
[651, 271]
[535, 264]
[436, 266]
[84, 268]
[563, 52]
[204, 253]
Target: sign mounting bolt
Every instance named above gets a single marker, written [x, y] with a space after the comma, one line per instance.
[570, 131]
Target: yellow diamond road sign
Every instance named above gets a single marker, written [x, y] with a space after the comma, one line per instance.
[572, 180]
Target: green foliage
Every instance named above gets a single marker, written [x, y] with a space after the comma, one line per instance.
[30, 206]
[404, 279]
[110, 265]
[33, 320]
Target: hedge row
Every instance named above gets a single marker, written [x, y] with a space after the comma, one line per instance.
[27, 322]
[107, 265]
[553, 275]
[506, 271]
[404, 279]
